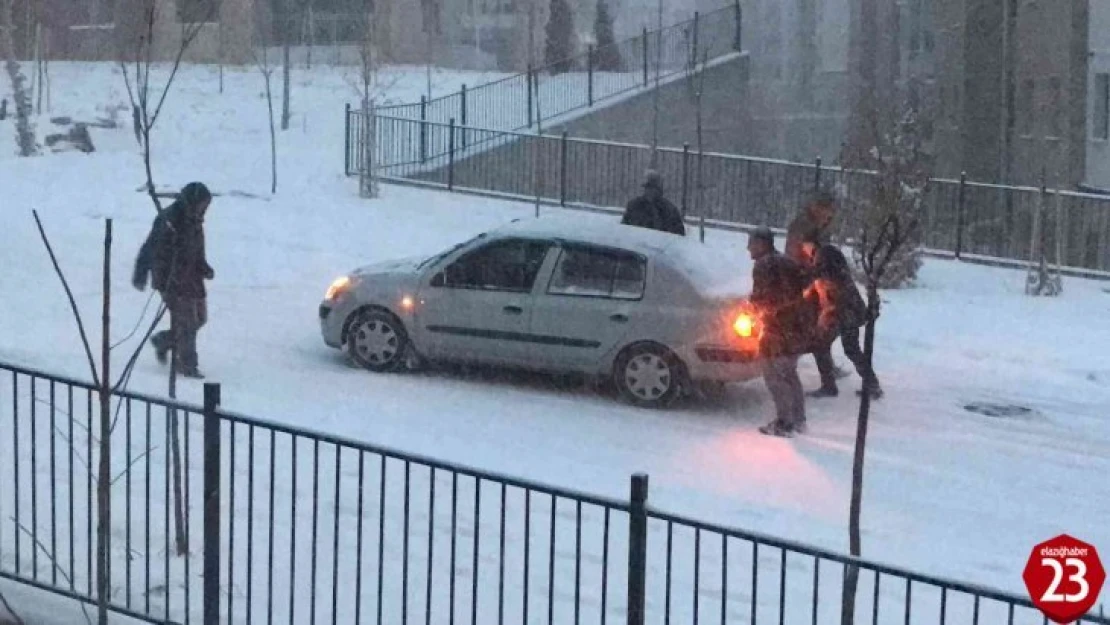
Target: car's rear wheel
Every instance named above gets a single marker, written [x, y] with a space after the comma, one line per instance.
[376, 340]
[648, 375]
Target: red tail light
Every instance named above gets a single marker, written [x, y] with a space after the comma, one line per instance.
[744, 325]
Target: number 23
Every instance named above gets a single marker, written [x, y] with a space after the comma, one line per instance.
[1079, 577]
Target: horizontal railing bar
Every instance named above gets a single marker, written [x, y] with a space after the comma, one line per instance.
[86, 385]
[824, 554]
[440, 465]
[90, 601]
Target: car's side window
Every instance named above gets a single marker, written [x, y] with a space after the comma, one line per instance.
[505, 265]
[593, 272]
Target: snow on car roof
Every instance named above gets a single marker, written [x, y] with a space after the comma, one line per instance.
[715, 271]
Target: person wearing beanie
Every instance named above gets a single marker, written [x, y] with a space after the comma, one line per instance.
[173, 257]
[652, 210]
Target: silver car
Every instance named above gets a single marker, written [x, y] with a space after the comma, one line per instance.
[652, 311]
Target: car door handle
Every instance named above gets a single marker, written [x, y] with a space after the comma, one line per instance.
[513, 310]
[618, 317]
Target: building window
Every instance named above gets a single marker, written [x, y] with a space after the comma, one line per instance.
[1101, 125]
[1026, 109]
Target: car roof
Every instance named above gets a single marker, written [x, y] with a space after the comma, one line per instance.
[593, 232]
[704, 267]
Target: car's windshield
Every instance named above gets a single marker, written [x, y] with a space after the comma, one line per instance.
[437, 256]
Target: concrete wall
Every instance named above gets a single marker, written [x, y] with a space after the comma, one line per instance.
[1098, 150]
[724, 116]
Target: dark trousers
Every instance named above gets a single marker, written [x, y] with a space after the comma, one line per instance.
[849, 341]
[781, 376]
[187, 316]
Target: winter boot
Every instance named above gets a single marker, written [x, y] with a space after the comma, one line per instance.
[873, 387]
[824, 391]
[776, 428]
[192, 372]
[161, 349]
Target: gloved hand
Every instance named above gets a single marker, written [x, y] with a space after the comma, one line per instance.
[209, 273]
[139, 283]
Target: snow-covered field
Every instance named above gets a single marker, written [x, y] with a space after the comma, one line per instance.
[949, 492]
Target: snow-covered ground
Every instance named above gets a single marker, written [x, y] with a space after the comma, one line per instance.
[949, 492]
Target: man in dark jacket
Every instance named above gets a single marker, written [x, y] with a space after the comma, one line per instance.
[812, 223]
[842, 312]
[652, 210]
[173, 256]
[787, 320]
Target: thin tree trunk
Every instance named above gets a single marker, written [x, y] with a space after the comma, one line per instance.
[39, 69]
[273, 135]
[181, 541]
[851, 581]
[104, 476]
[25, 132]
[285, 83]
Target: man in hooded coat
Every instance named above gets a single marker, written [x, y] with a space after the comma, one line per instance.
[174, 258]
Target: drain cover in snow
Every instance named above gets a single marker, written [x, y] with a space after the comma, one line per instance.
[1001, 411]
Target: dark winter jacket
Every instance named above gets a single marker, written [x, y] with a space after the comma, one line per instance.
[803, 228]
[174, 255]
[788, 318]
[657, 213]
[842, 306]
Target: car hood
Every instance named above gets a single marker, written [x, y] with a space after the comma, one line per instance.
[398, 267]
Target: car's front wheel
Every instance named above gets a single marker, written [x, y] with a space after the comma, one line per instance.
[648, 375]
[376, 340]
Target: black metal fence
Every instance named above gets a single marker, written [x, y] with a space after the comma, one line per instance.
[962, 218]
[596, 75]
[285, 525]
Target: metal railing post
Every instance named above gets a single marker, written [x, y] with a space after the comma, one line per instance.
[451, 155]
[347, 140]
[817, 174]
[960, 207]
[644, 47]
[685, 176]
[423, 129]
[462, 111]
[637, 550]
[211, 503]
[737, 43]
[528, 78]
[694, 60]
[590, 75]
[563, 169]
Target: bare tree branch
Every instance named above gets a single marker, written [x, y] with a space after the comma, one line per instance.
[69, 295]
[11, 611]
[50, 557]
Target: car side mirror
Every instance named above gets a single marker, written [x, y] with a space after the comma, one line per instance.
[438, 279]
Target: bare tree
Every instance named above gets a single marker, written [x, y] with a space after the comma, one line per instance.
[885, 219]
[25, 129]
[263, 64]
[1041, 279]
[286, 64]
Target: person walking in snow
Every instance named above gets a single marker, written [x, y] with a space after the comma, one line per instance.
[778, 295]
[173, 255]
[842, 313]
[652, 210]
